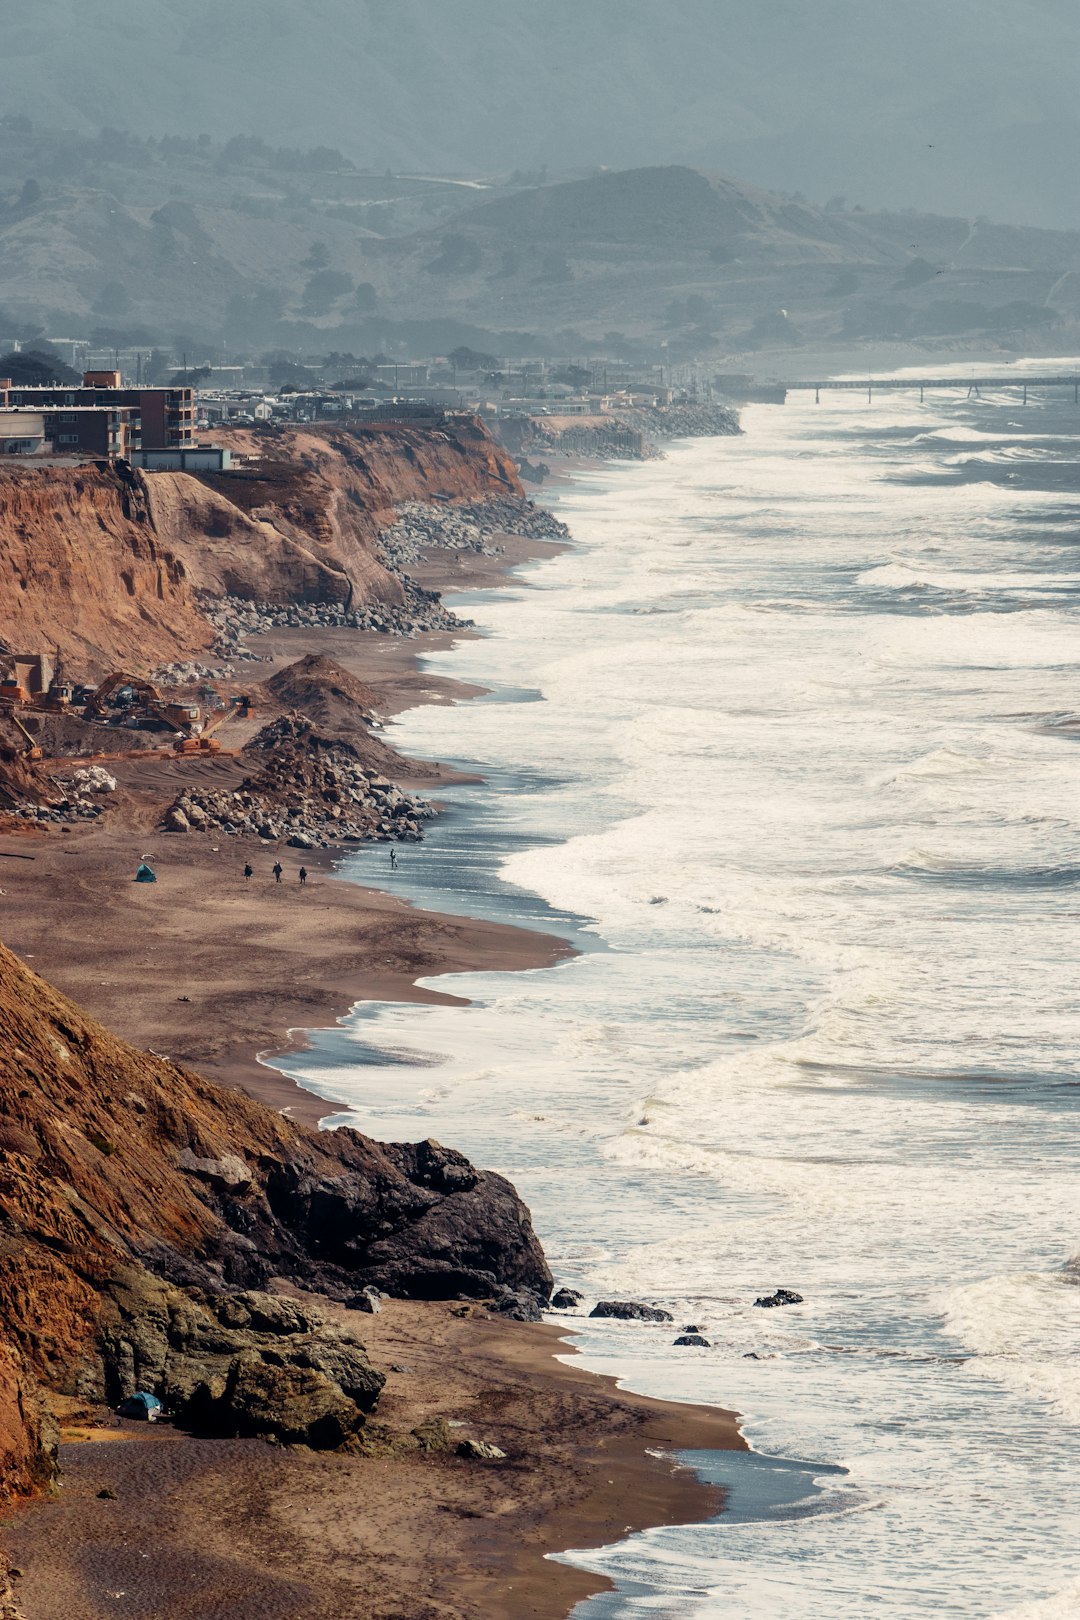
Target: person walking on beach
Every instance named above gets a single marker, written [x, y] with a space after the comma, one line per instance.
[278, 869]
[248, 870]
[303, 874]
[393, 860]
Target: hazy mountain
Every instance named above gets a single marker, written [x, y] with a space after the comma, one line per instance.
[839, 96]
[668, 257]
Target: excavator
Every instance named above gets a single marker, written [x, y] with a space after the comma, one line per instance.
[33, 748]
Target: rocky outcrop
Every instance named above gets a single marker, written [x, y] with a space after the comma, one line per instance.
[625, 1310]
[230, 1364]
[144, 1211]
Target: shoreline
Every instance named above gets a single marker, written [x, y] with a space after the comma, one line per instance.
[194, 968]
[273, 1534]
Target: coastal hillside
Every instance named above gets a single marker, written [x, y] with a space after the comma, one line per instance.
[110, 566]
[257, 257]
[144, 1211]
[836, 97]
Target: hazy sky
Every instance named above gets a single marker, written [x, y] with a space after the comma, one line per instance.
[962, 106]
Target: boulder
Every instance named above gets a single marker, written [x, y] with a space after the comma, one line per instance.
[176, 821]
[479, 1449]
[519, 1305]
[782, 1296]
[629, 1311]
[564, 1299]
[227, 1174]
[366, 1300]
[693, 1338]
[248, 1364]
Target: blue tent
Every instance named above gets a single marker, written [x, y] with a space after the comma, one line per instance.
[145, 874]
[142, 1405]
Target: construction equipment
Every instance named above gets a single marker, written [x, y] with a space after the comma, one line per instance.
[33, 747]
[196, 745]
[114, 684]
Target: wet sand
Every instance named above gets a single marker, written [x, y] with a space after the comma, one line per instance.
[209, 1529]
[212, 969]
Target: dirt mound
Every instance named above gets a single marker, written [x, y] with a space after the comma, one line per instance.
[325, 692]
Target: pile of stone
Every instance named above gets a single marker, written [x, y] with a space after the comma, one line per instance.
[90, 779]
[308, 791]
[693, 419]
[234, 618]
[185, 674]
[83, 788]
[464, 528]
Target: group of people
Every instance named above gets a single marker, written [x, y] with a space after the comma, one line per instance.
[278, 871]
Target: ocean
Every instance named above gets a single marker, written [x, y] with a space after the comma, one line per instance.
[789, 746]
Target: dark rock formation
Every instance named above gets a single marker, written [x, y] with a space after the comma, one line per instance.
[564, 1299]
[234, 1364]
[143, 1210]
[783, 1296]
[629, 1311]
[693, 1338]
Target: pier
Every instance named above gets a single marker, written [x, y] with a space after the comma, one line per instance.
[972, 386]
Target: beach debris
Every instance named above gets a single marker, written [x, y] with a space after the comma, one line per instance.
[694, 1338]
[145, 874]
[564, 1299]
[629, 1311]
[782, 1296]
[482, 1450]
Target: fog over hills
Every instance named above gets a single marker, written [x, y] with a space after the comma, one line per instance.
[852, 97]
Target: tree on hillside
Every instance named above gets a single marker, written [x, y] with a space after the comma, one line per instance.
[318, 256]
[365, 298]
[36, 367]
[323, 290]
[915, 273]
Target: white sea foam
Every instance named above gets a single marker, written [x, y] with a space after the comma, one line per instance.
[822, 816]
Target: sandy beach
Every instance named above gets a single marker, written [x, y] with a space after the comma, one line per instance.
[213, 969]
[197, 1529]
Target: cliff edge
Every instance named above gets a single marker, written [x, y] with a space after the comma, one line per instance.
[145, 1214]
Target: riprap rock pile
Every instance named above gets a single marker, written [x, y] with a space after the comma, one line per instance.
[306, 789]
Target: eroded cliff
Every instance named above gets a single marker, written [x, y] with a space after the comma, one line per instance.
[109, 566]
[83, 569]
[144, 1211]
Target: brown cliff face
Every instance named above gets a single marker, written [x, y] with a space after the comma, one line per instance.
[82, 569]
[143, 1208]
[329, 490]
[107, 565]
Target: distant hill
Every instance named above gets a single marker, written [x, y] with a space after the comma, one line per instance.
[672, 259]
[959, 106]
